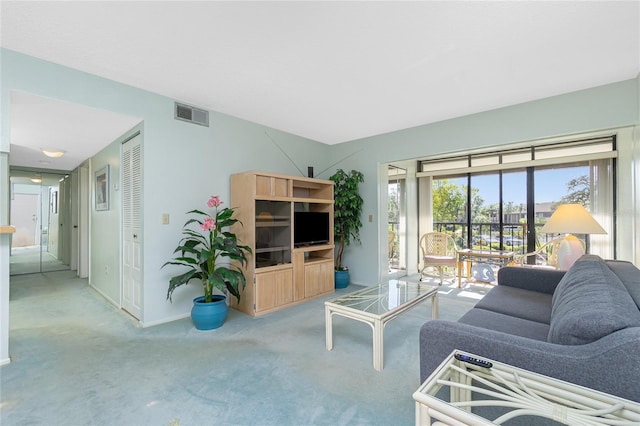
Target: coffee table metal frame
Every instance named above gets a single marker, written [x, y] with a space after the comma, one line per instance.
[378, 310]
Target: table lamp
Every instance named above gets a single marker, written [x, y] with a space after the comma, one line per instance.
[571, 219]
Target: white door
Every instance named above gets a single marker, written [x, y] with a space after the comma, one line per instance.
[132, 226]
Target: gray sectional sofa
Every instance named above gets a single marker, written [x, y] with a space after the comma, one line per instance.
[581, 326]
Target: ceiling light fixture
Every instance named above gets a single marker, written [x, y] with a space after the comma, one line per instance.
[36, 180]
[53, 153]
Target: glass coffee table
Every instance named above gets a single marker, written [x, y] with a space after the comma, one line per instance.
[376, 306]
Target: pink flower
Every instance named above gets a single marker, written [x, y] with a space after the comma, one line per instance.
[208, 224]
[214, 201]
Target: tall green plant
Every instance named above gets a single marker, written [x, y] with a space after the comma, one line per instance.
[347, 209]
[202, 253]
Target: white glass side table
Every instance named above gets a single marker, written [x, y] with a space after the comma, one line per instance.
[462, 386]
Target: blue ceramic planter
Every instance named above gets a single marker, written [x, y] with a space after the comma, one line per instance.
[342, 279]
[207, 316]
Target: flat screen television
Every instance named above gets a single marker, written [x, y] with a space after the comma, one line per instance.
[310, 228]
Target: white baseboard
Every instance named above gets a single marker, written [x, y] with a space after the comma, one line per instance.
[5, 361]
[107, 298]
[165, 320]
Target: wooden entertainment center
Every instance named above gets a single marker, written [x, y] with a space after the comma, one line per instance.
[281, 273]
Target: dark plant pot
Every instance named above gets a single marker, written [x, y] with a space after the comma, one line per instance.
[207, 316]
[342, 279]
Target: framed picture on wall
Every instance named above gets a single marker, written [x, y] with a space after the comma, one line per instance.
[102, 189]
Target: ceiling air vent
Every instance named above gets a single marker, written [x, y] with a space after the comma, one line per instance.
[191, 114]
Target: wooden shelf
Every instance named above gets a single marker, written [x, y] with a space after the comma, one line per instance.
[314, 248]
[278, 274]
[271, 249]
[272, 224]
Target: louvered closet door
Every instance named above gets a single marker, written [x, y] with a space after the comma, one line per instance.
[132, 226]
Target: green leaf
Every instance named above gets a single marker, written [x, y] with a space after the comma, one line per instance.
[200, 250]
[196, 211]
[234, 280]
[182, 279]
[347, 209]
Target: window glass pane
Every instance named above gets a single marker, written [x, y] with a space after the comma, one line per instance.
[514, 211]
[485, 198]
[559, 185]
[450, 207]
[396, 219]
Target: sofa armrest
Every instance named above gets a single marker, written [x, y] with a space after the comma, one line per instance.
[534, 279]
[609, 364]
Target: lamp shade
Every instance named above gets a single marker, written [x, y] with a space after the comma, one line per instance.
[572, 219]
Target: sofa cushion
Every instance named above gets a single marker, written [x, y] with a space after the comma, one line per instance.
[629, 275]
[516, 302]
[506, 324]
[533, 279]
[589, 303]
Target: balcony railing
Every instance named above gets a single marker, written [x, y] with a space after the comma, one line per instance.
[486, 235]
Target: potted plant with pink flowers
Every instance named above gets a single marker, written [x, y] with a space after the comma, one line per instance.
[212, 255]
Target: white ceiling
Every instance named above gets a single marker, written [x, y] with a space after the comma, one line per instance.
[336, 71]
[81, 132]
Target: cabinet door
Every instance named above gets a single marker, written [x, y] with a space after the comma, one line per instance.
[272, 233]
[298, 276]
[318, 278]
[272, 186]
[273, 289]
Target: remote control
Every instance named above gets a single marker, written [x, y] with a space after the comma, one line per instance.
[475, 361]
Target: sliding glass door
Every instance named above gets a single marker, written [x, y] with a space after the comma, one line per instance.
[506, 209]
[397, 221]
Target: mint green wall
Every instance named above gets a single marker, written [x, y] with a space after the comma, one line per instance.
[183, 163]
[104, 272]
[605, 107]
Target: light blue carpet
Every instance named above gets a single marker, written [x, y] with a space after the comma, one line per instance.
[76, 360]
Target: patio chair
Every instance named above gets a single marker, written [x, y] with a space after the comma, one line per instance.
[546, 256]
[438, 250]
